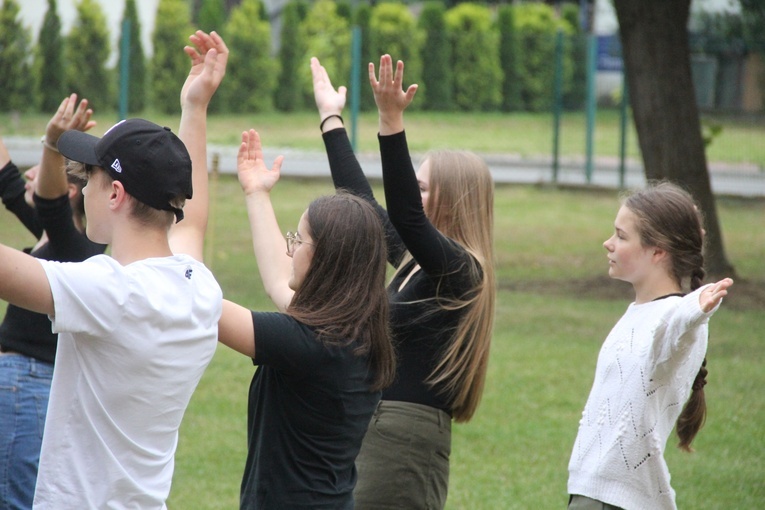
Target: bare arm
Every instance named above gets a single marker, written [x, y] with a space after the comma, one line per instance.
[23, 281]
[268, 242]
[235, 328]
[51, 181]
[5, 157]
[208, 66]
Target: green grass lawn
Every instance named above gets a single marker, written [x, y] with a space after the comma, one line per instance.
[526, 135]
[554, 310]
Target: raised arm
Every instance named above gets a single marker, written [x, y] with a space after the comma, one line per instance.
[390, 98]
[5, 157]
[346, 171]
[435, 253]
[274, 265]
[13, 191]
[51, 179]
[209, 56]
[345, 168]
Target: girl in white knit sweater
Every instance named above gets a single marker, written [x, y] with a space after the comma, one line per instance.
[652, 359]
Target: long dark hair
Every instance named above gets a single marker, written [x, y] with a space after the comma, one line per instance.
[668, 218]
[343, 295]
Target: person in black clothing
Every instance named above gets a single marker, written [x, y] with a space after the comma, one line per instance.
[323, 358]
[50, 206]
[439, 224]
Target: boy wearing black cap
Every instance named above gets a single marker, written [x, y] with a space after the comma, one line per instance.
[137, 329]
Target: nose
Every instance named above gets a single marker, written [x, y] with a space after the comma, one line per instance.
[607, 244]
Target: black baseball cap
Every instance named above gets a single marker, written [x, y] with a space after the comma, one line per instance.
[150, 161]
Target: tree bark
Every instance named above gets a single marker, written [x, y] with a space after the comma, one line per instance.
[657, 64]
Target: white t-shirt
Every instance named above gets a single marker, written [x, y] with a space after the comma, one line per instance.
[133, 343]
[643, 378]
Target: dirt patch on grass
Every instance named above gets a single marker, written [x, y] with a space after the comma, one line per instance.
[744, 295]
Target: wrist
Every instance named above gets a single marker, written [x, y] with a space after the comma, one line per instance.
[47, 144]
[332, 121]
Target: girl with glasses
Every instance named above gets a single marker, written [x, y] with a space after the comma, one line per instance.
[324, 358]
[439, 227]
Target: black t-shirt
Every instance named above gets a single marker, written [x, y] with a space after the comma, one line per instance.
[22, 331]
[309, 408]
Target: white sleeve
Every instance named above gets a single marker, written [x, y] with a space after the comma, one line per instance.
[88, 297]
[680, 327]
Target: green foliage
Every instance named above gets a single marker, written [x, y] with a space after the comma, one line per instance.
[16, 85]
[509, 56]
[87, 51]
[362, 16]
[394, 31]
[288, 94]
[475, 53]
[576, 53]
[327, 37]
[437, 73]
[344, 10]
[252, 72]
[212, 16]
[137, 60]
[49, 61]
[753, 17]
[537, 26]
[170, 64]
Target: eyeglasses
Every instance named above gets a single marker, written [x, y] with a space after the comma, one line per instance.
[293, 240]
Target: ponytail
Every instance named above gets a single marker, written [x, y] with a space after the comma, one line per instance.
[695, 411]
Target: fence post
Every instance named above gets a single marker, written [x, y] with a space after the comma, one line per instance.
[591, 58]
[355, 82]
[557, 103]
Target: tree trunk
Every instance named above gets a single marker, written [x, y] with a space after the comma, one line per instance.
[657, 64]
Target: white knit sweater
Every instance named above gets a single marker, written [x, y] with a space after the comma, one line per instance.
[643, 378]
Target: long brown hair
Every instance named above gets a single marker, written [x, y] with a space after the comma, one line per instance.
[343, 294]
[668, 218]
[461, 207]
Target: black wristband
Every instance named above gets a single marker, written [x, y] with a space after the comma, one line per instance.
[321, 126]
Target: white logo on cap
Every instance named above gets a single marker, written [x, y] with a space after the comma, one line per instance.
[117, 167]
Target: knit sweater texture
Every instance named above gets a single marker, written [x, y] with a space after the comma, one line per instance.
[643, 378]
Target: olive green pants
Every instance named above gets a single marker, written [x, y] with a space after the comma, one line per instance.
[404, 458]
[577, 502]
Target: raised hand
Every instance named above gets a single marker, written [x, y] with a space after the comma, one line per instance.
[209, 57]
[328, 100]
[710, 297]
[253, 175]
[69, 115]
[390, 97]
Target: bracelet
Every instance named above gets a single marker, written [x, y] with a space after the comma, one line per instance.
[321, 126]
[47, 144]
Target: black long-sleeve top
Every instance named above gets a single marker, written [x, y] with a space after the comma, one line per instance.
[421, 329]
[22, 331]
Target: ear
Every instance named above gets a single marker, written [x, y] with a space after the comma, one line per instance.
[118, 197]
[72, 190]
[659, 254]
